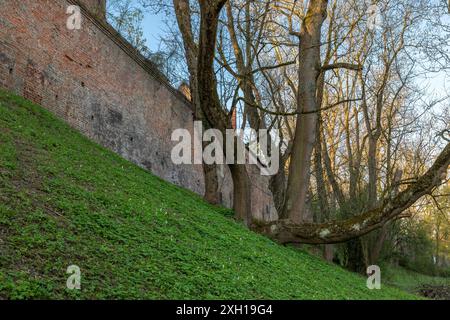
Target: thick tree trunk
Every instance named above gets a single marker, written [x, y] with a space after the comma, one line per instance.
[305, 133]
[209, 170]
[328, 252]
[241, 193]
[211, 184]
[277, 186]
[356, 258]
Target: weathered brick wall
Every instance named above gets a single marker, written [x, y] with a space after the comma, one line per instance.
[100, 85]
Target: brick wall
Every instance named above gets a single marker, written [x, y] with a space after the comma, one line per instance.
[100, 85]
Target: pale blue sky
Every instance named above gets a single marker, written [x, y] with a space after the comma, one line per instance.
[153, 28]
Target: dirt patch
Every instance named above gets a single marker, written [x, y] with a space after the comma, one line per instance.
[435, 292]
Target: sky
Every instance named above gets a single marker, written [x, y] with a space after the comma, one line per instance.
[153, 28]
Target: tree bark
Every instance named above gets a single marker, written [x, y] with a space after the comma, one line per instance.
[373, 171]
[356, 257]
[381, 235]
[277, 186]
[241, 193]
[305, 133]
[183, 15]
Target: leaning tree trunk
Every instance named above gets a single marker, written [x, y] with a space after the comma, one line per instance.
[286, 231]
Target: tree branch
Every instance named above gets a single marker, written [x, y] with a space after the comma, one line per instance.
[342, 65]
[285, 231]
[294, 113]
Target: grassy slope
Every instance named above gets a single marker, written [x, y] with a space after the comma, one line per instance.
[65, 200]
[409, 280]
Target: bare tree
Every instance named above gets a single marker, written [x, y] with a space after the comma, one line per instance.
[333, 78]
